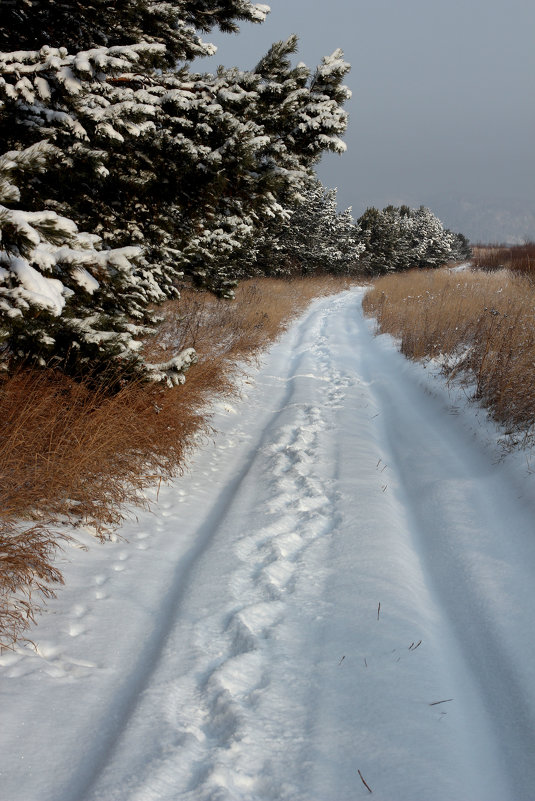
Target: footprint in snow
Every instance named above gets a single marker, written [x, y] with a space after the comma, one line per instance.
[75, 629]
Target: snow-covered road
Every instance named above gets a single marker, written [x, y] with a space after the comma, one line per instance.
[340, 592]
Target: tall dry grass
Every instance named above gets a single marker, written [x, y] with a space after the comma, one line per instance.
[27, 574]
[480, 324]
[74, 453]
[518, 258]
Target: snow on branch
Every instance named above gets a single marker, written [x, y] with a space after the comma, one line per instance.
[173, 371]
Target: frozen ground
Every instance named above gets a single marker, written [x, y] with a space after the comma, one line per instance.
[341, 590]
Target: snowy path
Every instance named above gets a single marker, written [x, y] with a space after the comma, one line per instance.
[344, 556]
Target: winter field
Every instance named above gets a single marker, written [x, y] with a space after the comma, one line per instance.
[335, 599]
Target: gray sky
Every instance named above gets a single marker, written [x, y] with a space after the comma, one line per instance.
[442, 111]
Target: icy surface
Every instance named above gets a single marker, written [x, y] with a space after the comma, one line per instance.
[339, 591]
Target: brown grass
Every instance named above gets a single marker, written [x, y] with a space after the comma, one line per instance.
[70, 452]
[518, 258]
[480, 324]
[27, 574]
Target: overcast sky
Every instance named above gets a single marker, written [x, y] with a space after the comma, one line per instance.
[443, 109]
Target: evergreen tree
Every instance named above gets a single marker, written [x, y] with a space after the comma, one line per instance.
[197, 160]
[380, 239]
[313, 236]
[461, 247]
[148, 155]
[401, 238]
[31, 24]
[434, 245]
[65, 301]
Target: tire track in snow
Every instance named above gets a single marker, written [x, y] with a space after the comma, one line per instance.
[263, 669]
[478, 571]
[124, 703]
[234, 672]
[299, 512]
[279, 521]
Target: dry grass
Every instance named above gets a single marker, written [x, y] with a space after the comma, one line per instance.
[481, 326]
[27, 573]
[219, 328]
[518, 258]
[68, 451]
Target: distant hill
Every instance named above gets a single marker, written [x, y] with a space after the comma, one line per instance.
[507, 220]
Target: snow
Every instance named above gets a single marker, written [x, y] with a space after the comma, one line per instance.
[35, 288]
[84, 279]
[333, 64]
[342, 582]
[73, 84]
[43, 88]
[106, 129]
[172, 371]
[461, 268]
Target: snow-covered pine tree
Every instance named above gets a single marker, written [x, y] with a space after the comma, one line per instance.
[64, 301]
[31, 24]
[312, 237]
[434, 244]
[184, 165]
[323, 119]
[380, 237]
[197, 160]
[401, 238]
[461, 247]
[278, 150]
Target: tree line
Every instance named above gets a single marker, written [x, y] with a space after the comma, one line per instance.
[125, 172]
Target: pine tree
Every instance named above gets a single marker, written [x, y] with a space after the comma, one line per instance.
[61, 296]
[380, 239]
[31, 24]
[313, 236]
[197, 160]
[435, 245]
[181, 167]
[461, 247]
[401, 238]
